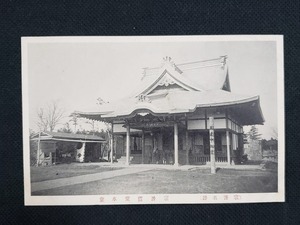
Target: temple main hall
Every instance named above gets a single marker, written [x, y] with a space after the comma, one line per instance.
[168, 118]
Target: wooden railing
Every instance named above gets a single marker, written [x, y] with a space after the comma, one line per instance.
[221, 159]
[201, 159]
[205, 159]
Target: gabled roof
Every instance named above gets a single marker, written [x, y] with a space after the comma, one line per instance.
[181, 88]
[165, 75]
[47, 135]
[210, 74]
[199, 75]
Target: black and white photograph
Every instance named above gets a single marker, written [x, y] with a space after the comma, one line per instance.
[153, 120]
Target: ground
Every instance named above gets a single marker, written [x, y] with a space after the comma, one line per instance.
[161, 180]
[65, 170]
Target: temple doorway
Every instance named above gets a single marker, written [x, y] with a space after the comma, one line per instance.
[163, 146]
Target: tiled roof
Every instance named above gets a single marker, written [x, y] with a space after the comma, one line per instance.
[71, 136]
[200, 84]
[185, 102]
[206, 74]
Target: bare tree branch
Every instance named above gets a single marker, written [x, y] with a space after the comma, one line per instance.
[48, 119]
[42, 120]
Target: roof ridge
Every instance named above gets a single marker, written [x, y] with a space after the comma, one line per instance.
[221, 61]
[199, 61]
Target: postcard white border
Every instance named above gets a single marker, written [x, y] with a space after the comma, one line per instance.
[155, 198]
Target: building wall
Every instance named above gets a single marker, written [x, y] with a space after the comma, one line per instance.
[47, 150]
[80, 153]
[92, 152]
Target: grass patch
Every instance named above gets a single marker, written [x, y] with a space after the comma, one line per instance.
[66, 170]
[161, 181]
[252, 162]
[269, 165]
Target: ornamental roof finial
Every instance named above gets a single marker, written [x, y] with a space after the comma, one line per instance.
[223, 60]
[167, 59]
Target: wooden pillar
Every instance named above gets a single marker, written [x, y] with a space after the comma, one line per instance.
[83, 151]
[187, 142]
[241, 144]
[187, 147]
[38, 153]
[175, 144]
[228, 148]
[153, 148]
[228, 139]
[212, 146]
[55, 154]
[143, 146]
[127, 144]
[112, 144]
[233, 148]
[50, 156]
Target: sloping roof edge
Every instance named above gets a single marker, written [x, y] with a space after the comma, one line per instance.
[57, 136]
[157, 111]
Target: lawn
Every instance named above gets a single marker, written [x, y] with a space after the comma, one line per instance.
[159, 181]
[66, 170]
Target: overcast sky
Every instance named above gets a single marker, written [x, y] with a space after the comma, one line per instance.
[76, 74]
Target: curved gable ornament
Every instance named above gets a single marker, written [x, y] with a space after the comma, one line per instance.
[166, 81]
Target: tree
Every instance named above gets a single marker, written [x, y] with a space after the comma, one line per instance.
[253, 133]
[49, 117]
[31, 133]
[65, 129]
[42, 120]
[264, 144]
[254, 149]
[92, 123]
[75, 121]
[271, 144]
[274, 132]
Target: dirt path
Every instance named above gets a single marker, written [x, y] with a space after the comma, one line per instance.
[61, 182]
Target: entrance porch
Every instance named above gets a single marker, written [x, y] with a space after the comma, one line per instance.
[157, 146]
